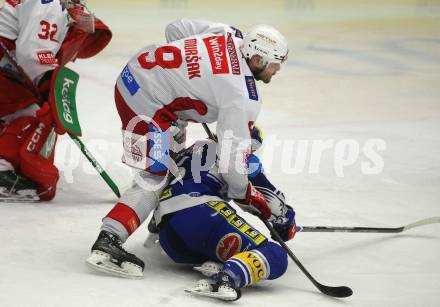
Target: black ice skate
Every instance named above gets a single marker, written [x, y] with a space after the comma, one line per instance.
[220, 286]
[108, 256]
[14, 188]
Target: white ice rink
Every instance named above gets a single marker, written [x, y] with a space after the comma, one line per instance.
[357, 73]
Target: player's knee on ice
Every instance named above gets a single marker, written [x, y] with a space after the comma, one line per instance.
[277, 258]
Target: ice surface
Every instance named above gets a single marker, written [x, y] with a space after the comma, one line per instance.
[356, 71]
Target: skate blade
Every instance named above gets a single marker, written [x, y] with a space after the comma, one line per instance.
[229, 296]
[209, 268]
[26, 196]
[101, 261]
[9, 200]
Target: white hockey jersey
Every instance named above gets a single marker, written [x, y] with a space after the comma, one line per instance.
[38, 28]
[200, 76]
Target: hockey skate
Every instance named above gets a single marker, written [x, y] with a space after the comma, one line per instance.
[209, 268]
[108, 256]
[219, 286]
[14, 188]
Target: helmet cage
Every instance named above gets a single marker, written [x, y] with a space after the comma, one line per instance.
[79, 15]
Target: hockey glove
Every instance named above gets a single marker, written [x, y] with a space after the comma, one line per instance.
[255, 203]
[287, 228]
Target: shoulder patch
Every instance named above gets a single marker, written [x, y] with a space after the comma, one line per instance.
[129, 81]
[251, 87]
[238, 33]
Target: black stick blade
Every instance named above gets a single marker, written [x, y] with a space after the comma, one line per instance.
[342, 291]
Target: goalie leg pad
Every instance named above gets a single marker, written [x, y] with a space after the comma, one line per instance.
[12, 137]
[37, 156]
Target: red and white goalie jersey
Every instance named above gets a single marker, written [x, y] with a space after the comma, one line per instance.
[35, 30]
[200, 76]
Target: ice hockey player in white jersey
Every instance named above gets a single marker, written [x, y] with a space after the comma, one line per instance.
[206, 73]
[36, 37]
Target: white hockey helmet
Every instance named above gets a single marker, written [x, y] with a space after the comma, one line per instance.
[267, 42]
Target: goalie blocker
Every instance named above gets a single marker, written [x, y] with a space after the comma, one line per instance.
[28, 137]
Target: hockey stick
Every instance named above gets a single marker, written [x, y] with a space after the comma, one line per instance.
[24, 78]
[211, 135]
[427, 221]
[341, 291]
[96, 165]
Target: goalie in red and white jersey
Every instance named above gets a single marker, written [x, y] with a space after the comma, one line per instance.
[206, 73]
[36, 37]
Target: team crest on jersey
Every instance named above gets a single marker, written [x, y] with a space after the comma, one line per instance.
[47, 58]
[13, 3]
[46, 1]
[251, 87]
[129, 81]
[216, 46]
[228, 246]
[233, 58]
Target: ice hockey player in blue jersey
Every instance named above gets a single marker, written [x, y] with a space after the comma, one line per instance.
[197, 225]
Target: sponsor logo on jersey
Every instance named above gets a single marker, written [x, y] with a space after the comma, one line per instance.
[237, 222]
[251, 87]
[47, 58]
[216, 46]
[233, 58]
[13, 3]
[192, 58]
[129, 81]
[228, 246]
[46, 1]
